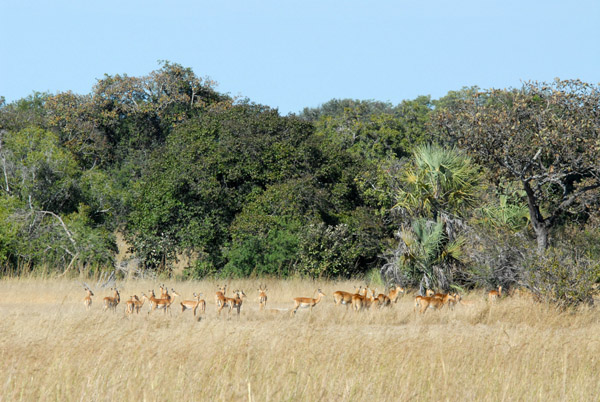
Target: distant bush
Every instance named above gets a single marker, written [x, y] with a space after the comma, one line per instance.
[562, 278]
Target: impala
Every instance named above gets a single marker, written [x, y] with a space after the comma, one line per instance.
[87, 301]
[220, 296]
[233, 302]
[304, 302]
[430, 302]
[382, 300]
[164, 292]
[130, 307]
[394, 293]
[112, 302]
[359, 301]
[341, 297]
[194, 304]
[262, 297]
[493, 295]
[138, 304]
[418, 298]
[164, 304]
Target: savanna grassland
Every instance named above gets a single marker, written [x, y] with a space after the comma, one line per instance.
[51, 348]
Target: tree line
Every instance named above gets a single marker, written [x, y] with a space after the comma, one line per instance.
[477, 188]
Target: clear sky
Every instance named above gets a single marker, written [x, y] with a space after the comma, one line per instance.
[292, 54]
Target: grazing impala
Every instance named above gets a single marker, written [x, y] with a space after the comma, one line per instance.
[341, 297]
[262, 297]
[87, 301]
[494, 295]
[112, 302]
[194, 304]
[304, 302]
[233, 302]
[220, 296]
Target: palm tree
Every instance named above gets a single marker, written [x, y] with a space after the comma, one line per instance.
[438, 180]
[436, 187]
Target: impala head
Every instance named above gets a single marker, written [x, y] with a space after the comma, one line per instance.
[429, 293]
[321, 292]
[175, 293]
[89, 292]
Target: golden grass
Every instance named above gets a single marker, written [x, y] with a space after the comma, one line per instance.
[51, 348]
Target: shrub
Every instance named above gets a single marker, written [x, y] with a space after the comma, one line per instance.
[562, 278]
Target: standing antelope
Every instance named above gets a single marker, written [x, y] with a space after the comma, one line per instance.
[233, 302]
[138, 304]
[394, 293]
[194, 304]
[304, 302]
[382, 300]
[493, 295]
[220, 296]
[419, 298]
[164, 292]
[87, 301]
[112, 302]
[262, 297]
[360, 302]
[430, 302]
[164, 304]
[130, 307]
[341, 297]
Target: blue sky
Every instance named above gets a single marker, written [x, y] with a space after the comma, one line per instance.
[293, 54]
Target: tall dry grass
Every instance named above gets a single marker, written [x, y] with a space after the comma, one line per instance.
[51, 348]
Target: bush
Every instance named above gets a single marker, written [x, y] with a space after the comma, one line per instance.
[562, 278]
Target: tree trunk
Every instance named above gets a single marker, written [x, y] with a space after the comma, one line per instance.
[540, 225]
[541, 234]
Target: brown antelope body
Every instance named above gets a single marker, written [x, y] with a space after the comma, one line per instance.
[419, 298]
[112, 302]
[307, 302]
[194, 304]
[361, 301]
[130, 306]
[262, 297]
[341, 297]
[220, 296]
[394, 293]
[494, 295]
[164, 304]
[87, 300]
[233, 302]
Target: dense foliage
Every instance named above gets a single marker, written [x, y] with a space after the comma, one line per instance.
[339, 190]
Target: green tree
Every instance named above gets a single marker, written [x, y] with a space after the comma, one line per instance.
[545, 136]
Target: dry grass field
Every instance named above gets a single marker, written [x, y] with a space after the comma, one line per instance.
[51, 348]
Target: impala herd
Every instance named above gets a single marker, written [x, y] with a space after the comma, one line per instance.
[363, 298]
